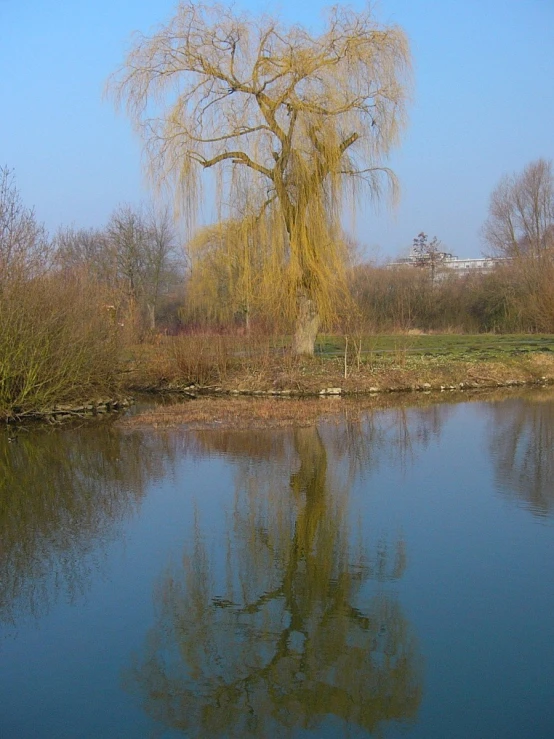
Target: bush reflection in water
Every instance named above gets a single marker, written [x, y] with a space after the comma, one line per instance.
[62, 494]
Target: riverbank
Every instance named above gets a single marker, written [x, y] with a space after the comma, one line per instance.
[284, 375]
[317, 389]
[252, 414]
[225, 367]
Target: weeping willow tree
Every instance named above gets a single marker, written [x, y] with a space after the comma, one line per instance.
[227, 262]
[292, 123]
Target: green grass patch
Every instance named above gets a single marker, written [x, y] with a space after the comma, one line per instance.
[470, 347]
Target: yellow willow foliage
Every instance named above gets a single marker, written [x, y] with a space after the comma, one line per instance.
[226, 261]
[294, 124]
[242, 268]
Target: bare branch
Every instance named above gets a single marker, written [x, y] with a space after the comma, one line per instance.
[237, 157]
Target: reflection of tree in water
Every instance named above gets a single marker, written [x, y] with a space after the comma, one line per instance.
[60, 495]
[522, 446]
[281, 634]
[369, 440]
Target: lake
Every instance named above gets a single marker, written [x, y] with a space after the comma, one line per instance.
[389, 575]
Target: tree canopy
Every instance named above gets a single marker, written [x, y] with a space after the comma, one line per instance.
[287, 118]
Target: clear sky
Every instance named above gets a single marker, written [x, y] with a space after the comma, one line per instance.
[483, 105]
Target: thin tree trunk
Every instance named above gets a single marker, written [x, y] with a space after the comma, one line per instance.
[151, 311]
[307, 325]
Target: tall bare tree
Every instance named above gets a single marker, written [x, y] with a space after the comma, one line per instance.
[164, 261]
[135, 259]
[521, 213]
[287, 119]
[520, 227]
[428, 254]
[85, 250]
[142, 245]
[24, 245]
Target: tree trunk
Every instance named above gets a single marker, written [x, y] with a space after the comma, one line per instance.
[307, 325]
[151, 312]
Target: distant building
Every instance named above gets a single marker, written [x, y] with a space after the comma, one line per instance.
[445, 263]
[467, 266]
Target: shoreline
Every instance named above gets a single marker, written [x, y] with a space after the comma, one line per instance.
[314, 380]
[314, 377]
[255, 412]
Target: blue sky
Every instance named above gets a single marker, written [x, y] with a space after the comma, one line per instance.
[483, 105]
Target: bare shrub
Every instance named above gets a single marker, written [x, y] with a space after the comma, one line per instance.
[201, 359]
[57, 344]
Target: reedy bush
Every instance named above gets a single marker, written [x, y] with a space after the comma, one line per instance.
[58, 343]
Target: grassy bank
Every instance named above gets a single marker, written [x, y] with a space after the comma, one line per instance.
[56, 378]
[349, 377]
[227, 364]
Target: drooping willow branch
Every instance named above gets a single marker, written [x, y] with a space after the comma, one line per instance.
[281, 115]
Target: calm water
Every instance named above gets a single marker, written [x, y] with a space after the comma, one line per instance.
[390, 578]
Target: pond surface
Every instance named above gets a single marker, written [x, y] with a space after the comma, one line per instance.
[389, 577]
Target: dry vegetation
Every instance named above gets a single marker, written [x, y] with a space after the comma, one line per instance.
[70, 324]
[57, 344]
[250, 413]
[219, 364]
